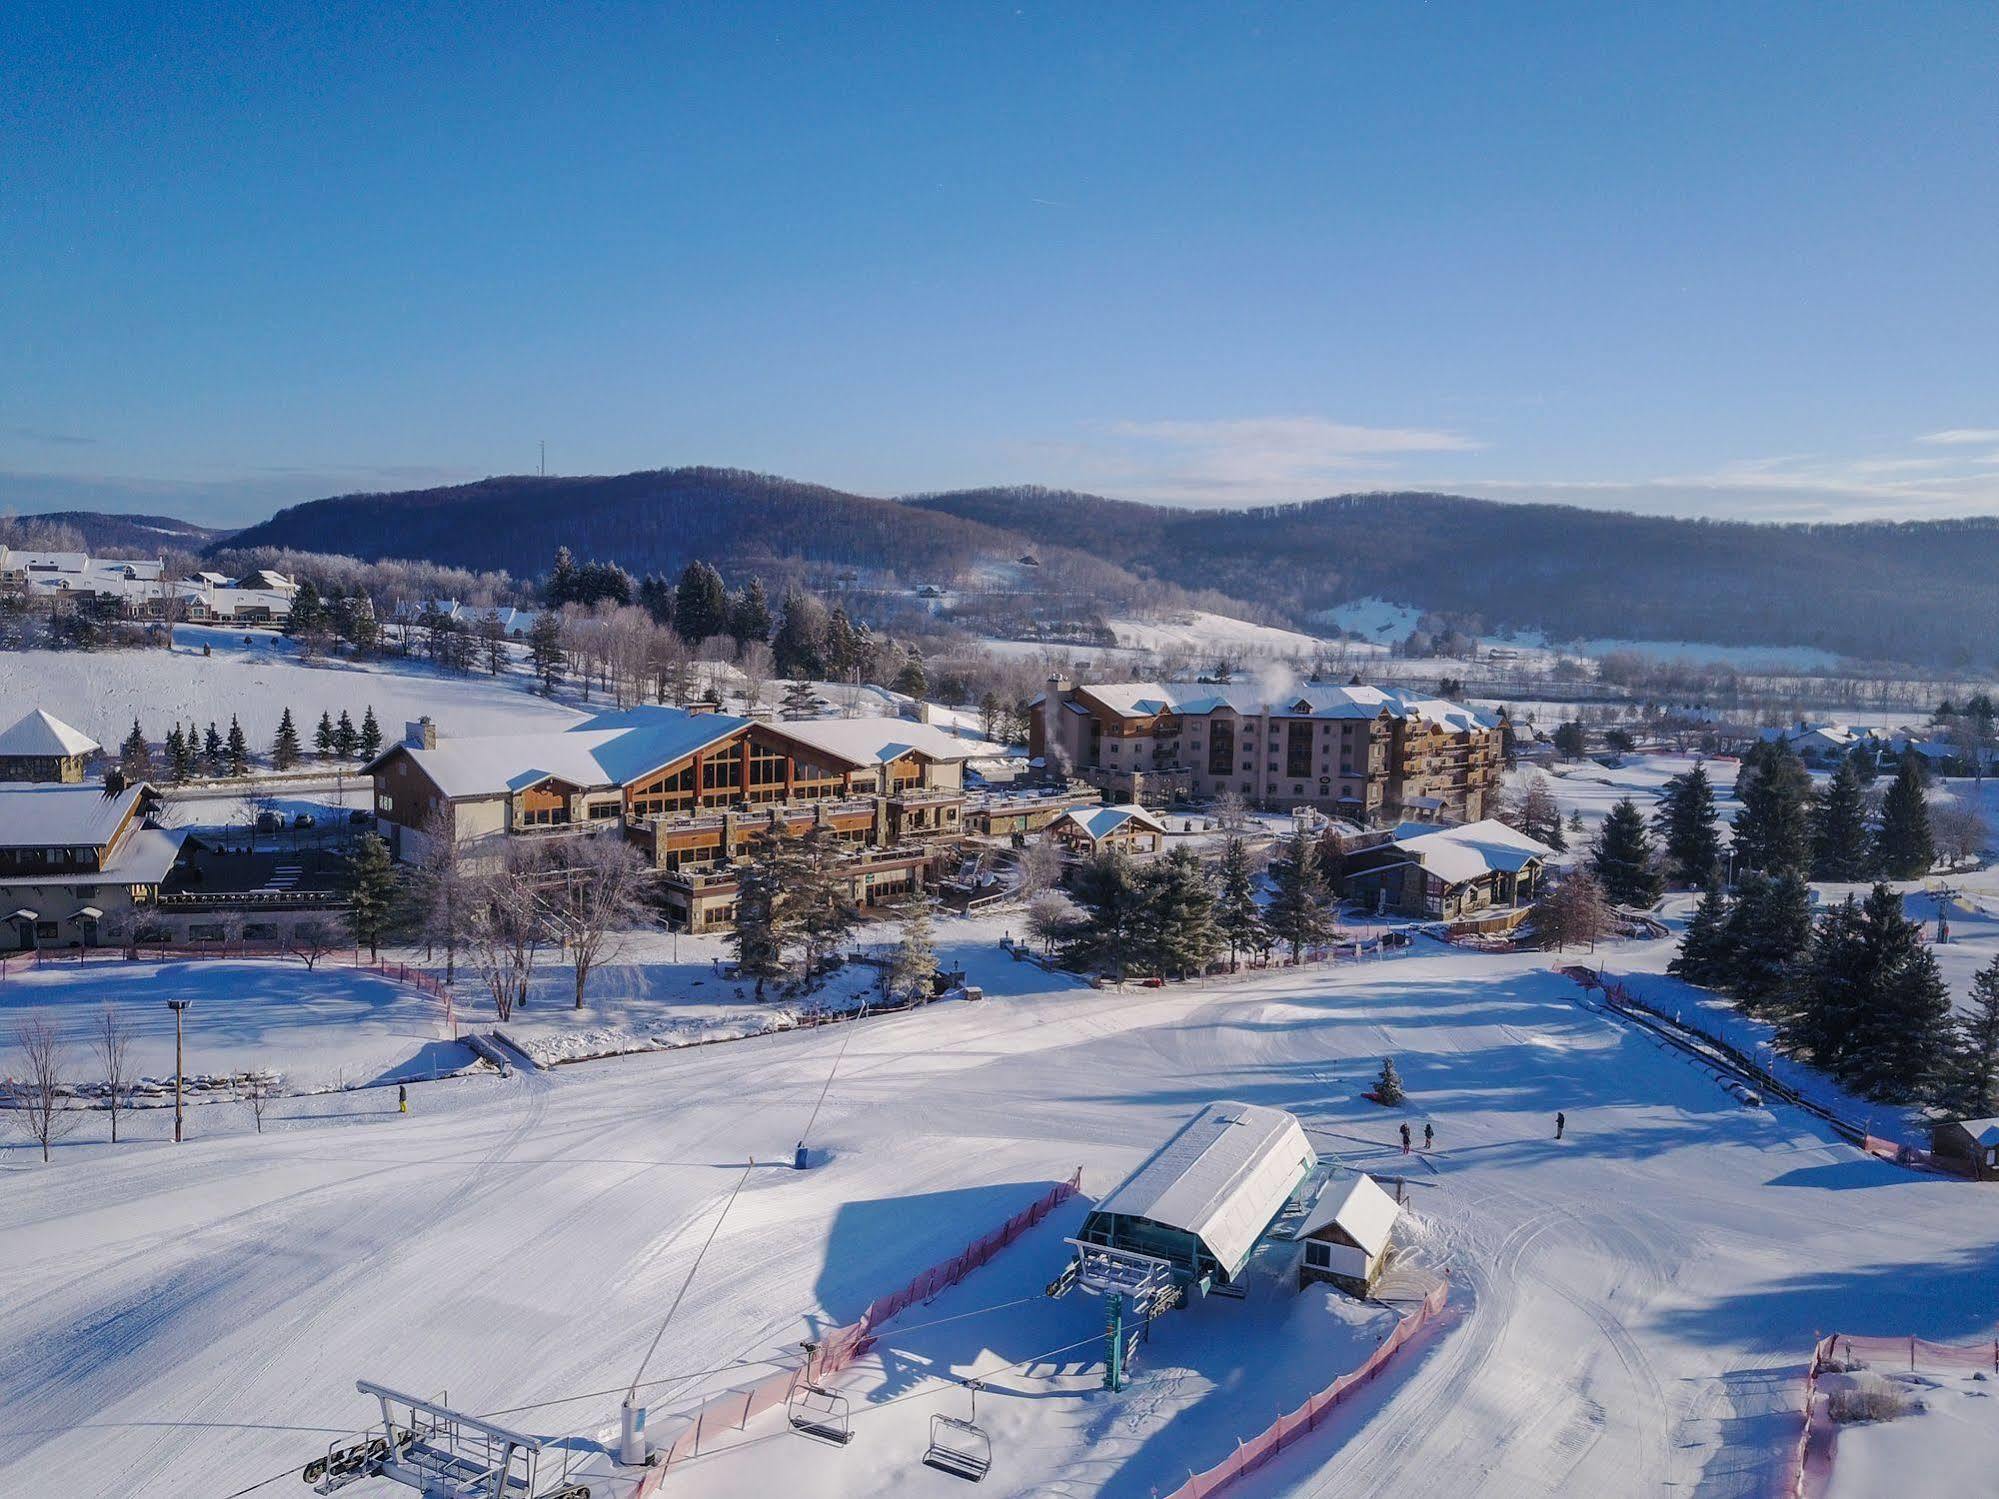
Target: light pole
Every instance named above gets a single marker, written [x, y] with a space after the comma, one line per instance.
[178, 1006]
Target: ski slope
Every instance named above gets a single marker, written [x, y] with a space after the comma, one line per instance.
[1634, 1302]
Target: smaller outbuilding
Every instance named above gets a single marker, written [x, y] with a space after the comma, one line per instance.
[41, 747]
[1346, 1234]
[1092, 830]
[1448, 872]
[1972, 1145]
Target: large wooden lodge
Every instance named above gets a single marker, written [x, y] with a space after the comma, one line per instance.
[692, 791]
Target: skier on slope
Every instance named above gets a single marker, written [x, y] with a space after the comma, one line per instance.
[1561, 1123]
[402, 1098]
[1429, 1135]
[1405, 1138]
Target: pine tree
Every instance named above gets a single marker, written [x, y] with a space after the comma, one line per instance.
[1571, 740]
[308, 613]
[1905, 1039]
[371, 893]
[1177, 922]
[1903, 848]
[1839, 827]
[1768, 928]
[370, 741]
[177, 756]
[322, 737]
[766, 921]
[135, 756]
[1686, 824]
[1388, 1083]
[1704, 952]
[285, 751]
[820, 896]
[915, 958]
[213, 755]
[701, 603]
[1238, 917]
[1539, 816]
[1623, 859]
[910, 680]
[239, 748]
[1569, 912]
[1111, 897]
[345, 736]
[545, 653]
[798, 703]
[799, 647]
[749, 614]
[1298, 912]
[1773, 829]
[561, 586]
[1826, 989]
[1975, 1081]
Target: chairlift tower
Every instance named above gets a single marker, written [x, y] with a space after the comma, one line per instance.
[1135, 1287]
[445, 1454]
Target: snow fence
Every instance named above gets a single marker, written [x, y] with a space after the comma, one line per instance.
[1810, 1470]
[1287, 1430]
[732, 1409]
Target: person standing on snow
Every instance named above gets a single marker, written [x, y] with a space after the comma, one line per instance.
[1429, 1135]
[402, 1098]
[1561, 1123]
[1405, 1138]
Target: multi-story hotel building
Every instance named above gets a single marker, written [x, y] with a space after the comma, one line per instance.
[1364, 753]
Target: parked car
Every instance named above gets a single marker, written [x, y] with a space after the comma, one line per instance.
[269, 822]
[305, 820]
[358, 817]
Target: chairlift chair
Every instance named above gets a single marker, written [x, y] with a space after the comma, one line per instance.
[815, 1411]
[960, 1448]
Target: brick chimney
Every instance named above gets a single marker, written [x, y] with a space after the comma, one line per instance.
[420, 735]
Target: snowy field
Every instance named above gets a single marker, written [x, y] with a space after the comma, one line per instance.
[1633, 1304]
[327, 1027]
[101, 692]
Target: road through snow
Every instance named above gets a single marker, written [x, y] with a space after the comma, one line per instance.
[188, 1321]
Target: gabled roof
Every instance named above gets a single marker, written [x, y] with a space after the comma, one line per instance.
[1148, 699]
[1984, 1131]
[1223, 1178]
[877, 741]
[1455, 855]
[1100, 822]
[1359, 1208]
[609, 751]
[40, 733]
[55, 815]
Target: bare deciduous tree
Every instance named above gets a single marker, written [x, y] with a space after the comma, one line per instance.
[1050, 917]
[258, 1091]
[1959, 829]
[311, 940]
[40, 1095]
[593, 893]
[1040, 867]
[112, 1043]
[506, 924]
[1232, 811]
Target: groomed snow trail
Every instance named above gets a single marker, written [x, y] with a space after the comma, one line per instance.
[187, 1321]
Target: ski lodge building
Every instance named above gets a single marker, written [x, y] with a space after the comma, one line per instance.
[692, 792]
[73, 857]
[1204, 1201]
[1363, 753]
[1450, 872]
[1092, 830]
[41, 747]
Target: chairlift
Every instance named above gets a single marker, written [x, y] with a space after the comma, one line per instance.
[815, 1411]
[960, 1448]
[445, 1454]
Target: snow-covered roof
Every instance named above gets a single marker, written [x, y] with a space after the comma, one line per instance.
[41, 733]
[57, 815]
[1359, 1208]
[1100, 822]
[1223, 1178]
[1458, 854]
[876, 741]
[608, 751]
[1147, 699]
[1984, 1131]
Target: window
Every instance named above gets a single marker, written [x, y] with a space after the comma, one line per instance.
[1298, 747]
[1221, 748]
[1318, 1254]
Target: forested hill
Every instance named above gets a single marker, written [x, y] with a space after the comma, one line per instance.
[108, 534]
[1923, 591]
[648, 522]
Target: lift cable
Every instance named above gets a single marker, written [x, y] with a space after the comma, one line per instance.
[632, 1392]
[833, 1071]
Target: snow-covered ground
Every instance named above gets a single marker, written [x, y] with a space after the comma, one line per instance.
[1633, 1303]
[328, 1027]
[102, 692]
[1947, 1444]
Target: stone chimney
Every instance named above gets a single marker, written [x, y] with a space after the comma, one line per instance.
[420, 735]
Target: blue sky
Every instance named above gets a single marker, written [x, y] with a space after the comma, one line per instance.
[1688, 258]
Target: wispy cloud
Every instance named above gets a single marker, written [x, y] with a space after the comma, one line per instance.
[1240, 460]
[1957, 436]
[44, 435]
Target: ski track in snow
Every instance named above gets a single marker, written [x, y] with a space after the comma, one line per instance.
[184, 1322]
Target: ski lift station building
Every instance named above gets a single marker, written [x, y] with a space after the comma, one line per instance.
[1209, 1194]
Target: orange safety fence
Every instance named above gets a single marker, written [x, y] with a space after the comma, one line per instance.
[733, 1409]
[1810, 1469]
[1288, 1429]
